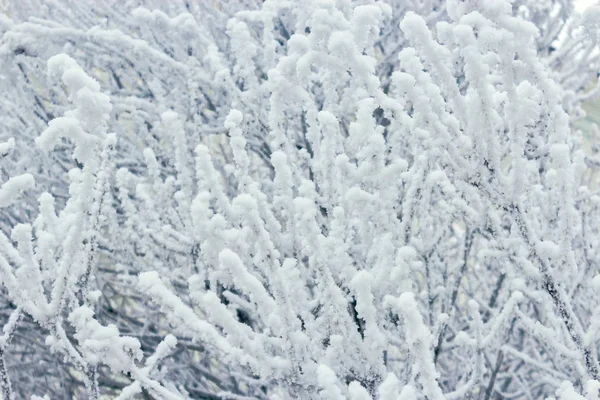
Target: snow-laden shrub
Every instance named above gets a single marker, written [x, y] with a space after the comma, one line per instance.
[393, 213]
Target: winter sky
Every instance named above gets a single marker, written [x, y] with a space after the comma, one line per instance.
[581, 5]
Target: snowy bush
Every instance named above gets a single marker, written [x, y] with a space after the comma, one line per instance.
[304, 202]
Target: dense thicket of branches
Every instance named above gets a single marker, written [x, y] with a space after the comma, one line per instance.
[280, 199]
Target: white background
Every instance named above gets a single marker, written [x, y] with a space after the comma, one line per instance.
[581, 5]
